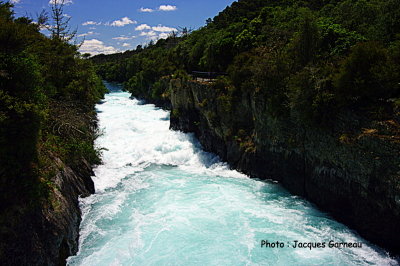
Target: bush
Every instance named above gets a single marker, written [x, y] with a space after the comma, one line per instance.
[365, 76]
[310, 97]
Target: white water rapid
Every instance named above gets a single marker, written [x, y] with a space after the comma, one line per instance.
[161, 200]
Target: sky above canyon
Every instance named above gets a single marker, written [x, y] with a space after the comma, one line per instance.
[110, 26]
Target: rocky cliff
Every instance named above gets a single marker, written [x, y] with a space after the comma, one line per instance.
[351, 169]
[48, 234]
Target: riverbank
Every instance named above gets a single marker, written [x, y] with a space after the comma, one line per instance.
[300, 92]
[41, 227]
[161, 199]
[353, 176]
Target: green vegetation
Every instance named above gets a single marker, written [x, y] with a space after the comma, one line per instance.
[47, 98]
[309, 60]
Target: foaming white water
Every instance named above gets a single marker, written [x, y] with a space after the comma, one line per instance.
[161, 200]
[137, 136]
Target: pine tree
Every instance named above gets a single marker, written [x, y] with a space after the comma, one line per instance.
[60, 29]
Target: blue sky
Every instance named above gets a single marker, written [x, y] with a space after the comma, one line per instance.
[109, 26]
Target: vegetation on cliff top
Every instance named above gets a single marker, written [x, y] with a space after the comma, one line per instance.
[308, 59]
[47, 97]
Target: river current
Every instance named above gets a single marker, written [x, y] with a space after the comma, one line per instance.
[161, 200]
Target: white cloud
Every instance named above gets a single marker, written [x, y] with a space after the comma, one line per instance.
[148, 33]
[160, 28]
[90, 23]
[167, 8]
[87, 34]
[148, 10]
[160, 8]
[15, 1]
[122, 22]
[163, 35]
[95, 47]
[121, 38]
[143, 27]
[152, 35]
[66, 2]
[124, 38]
[125, 44]
[155, 32]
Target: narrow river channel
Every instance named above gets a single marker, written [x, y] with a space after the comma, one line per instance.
[161, 200]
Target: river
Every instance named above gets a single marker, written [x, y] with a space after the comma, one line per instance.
[161, 200]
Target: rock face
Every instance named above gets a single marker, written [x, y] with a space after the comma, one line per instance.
[49, 235]
[355, 176]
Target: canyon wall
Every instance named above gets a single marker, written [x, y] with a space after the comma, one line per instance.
[351, 173]
[48, 234]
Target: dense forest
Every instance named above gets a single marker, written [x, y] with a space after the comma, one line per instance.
[47, 97]
[308, 59]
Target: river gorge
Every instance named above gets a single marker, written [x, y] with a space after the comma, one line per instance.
[161, 200]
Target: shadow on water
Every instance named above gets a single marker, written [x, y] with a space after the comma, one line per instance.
[160, 167]
[167, 118]
[113, 86]
[140, 101]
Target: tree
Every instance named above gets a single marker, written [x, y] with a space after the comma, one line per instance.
[366, 76]
[185, 31]
[60, 29]
[308, 38]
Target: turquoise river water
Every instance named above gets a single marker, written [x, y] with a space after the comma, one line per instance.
[161, 200]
